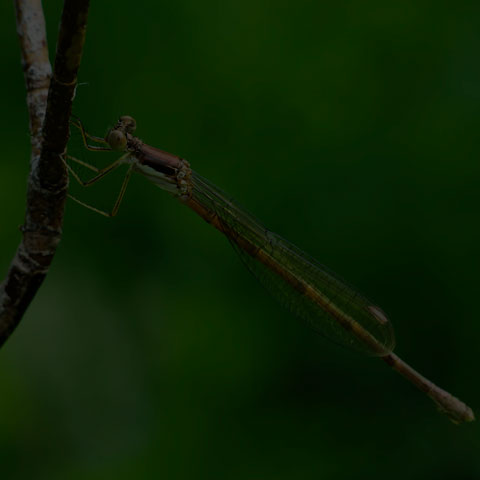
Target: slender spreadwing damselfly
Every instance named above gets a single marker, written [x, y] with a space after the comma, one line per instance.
[299, 282]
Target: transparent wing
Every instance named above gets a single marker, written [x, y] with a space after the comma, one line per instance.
[300, 283]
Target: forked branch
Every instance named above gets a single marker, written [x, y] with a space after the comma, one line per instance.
[49, 130]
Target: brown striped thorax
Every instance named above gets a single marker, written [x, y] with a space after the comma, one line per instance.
[168, 171]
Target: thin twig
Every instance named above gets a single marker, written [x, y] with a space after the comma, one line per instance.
[47, 183]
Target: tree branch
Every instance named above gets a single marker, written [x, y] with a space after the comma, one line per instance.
[47, 183]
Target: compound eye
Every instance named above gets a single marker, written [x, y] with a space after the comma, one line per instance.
[117, 140]
[128, 123]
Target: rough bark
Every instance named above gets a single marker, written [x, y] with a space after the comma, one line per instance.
[49, 129]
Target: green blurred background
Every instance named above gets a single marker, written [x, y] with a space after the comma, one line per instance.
[150, 352]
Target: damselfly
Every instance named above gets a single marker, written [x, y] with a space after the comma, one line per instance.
[299, 282]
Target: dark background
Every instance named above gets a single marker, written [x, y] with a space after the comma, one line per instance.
[150, 352]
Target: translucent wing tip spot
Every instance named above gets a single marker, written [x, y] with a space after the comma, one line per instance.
[379, 314]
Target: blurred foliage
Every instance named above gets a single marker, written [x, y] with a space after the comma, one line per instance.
[350, 128]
